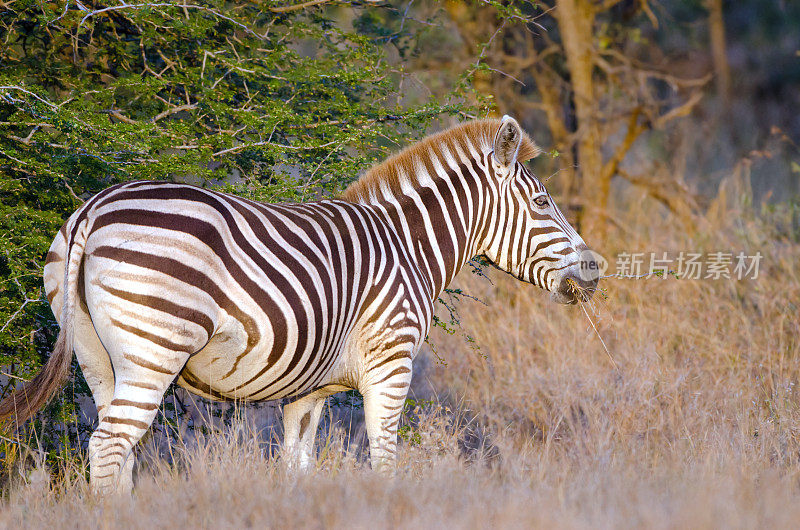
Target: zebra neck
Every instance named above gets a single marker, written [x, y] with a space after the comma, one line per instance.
[437, 223]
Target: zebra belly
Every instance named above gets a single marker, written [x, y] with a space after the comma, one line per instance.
[222, 370]
[228, 368]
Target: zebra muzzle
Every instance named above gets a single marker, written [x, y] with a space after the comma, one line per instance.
[574, 287]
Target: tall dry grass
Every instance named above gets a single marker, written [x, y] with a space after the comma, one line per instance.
[697, 424]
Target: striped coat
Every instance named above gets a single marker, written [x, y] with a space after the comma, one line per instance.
[156, 282]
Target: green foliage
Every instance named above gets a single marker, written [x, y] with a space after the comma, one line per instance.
[271, 105]
[413, 409]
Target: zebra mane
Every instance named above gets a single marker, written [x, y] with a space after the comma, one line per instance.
[389, 175]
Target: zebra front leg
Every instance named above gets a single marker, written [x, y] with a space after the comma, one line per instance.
[300, 422]
[384, 399]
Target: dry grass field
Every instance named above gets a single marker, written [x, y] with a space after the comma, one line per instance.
[696, 422]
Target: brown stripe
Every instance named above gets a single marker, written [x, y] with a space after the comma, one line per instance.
[192, 381]
[396, 357]
[113, 453]
[125, 421]
[165, 306]
[141, 384]
[155, 339]
[114, 434]
[397, 371]
[137, 404]
[182, 272]
[100, 466]
[51, 295]
[144, 363]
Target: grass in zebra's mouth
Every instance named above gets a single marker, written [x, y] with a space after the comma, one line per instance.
[583, 296]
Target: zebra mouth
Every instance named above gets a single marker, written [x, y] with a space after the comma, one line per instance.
[571, 290]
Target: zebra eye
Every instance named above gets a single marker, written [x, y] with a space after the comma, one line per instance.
[541, 201]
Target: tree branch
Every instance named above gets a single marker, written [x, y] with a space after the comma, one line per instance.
[679, 112]
[297, 7]
[121, 117]
[674, 196]
[164, 4]
[634, 130]
[173, 110]
[271, 144]
[14, 87]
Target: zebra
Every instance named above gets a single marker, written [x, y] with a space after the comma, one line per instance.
[155, 282]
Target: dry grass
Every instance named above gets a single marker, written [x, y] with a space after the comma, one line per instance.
[698, 425]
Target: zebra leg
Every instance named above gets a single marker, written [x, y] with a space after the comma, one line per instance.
[384, 399]
[126, 420]
[300, 422]
[139, 388]
[96, 367]
[94, 362]
[92, 356]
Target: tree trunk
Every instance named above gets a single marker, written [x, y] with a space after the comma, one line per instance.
[716, 27]
[576, 26]
[472, 25]
[552, 106]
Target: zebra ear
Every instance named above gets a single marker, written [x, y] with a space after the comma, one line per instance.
[507, 141]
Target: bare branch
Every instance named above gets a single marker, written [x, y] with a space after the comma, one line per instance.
[674, 196]
[17, 160]
[173, 110]
[72, 192]
[681, 111]
[165, 4]
[121, 117]
[634, 130]
[14, 87]
[627, 63]
[13, 377]
[18, 311]
[271, 144]
[297, 7]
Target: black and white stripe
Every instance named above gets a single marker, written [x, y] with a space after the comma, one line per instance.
[244, 300]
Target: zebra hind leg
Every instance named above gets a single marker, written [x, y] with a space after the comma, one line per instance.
[384, 398]
[126, 420]
[300, 423]
[99, 375]
[138, 390]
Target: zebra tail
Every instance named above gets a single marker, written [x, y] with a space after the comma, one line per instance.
[26, 400]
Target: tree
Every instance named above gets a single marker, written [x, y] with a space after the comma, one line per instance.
[587, 66]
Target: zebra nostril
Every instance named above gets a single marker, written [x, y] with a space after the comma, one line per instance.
[591, 266]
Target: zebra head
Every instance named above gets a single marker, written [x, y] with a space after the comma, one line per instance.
[531, 238]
